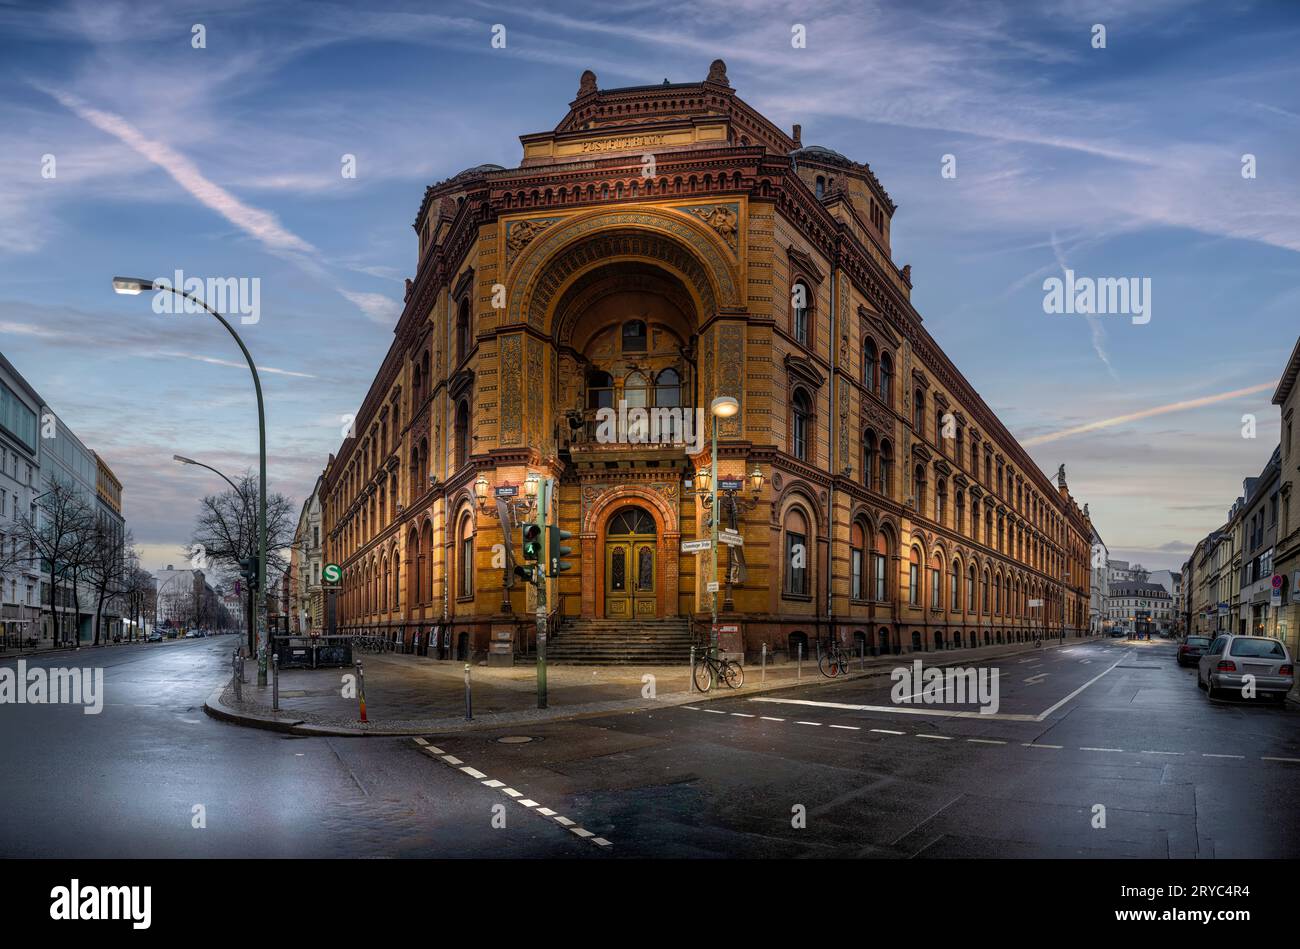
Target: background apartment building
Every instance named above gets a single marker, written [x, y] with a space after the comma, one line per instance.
[20, 447]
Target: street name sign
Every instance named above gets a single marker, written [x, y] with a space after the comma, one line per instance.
[692, 546]
[731, 539]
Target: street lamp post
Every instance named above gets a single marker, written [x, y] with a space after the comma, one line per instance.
[724, 406]
[133, 286]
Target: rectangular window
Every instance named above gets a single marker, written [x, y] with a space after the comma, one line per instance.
[935, 586]
[855, 569]
[467, 566]
[878, 575]
[914, 584]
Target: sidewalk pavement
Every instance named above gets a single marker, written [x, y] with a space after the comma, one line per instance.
[43, 649]
[416, 695]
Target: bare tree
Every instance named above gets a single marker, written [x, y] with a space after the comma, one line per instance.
[106, 566]
[60, 535]
[226, 532]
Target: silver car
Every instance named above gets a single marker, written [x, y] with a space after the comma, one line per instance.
[1230, 659]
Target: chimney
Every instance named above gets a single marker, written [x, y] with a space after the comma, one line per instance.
[797, 135]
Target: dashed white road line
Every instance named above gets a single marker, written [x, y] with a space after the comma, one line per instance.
[769, 718]
[852, 728]
[1101, 749]
[1291, 760]
[1034, 744]
[1147, 751]
[518, 796]
[936, 737]
[887, 731]
[807, 723]
[1205, 754]
[985, 741]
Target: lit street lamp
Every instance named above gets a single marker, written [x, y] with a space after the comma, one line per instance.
[133, 286]
[724, 406]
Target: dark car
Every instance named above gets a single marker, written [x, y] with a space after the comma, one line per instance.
[1191, 651]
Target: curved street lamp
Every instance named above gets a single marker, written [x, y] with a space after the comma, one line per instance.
[133, 286]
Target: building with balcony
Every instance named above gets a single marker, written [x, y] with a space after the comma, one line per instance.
[574, 317]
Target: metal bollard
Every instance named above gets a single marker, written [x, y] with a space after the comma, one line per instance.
[275, 682]
[237, 667]
[763, 677]
[692, 683]
[361, 689]
[798, 670]
[469, 699]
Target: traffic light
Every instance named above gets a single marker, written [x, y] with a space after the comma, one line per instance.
[532, 534]
[555, 550]
[248, 570]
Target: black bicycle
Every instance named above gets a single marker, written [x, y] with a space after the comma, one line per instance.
[834, 660]
[709, 670]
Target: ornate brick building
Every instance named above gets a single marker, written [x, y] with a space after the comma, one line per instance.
[663, 246]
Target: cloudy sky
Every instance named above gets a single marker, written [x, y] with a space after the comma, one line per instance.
[1117, 162]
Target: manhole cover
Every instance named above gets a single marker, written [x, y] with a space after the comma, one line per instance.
[514, 739]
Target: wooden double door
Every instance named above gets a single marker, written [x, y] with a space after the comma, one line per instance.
[631, 563]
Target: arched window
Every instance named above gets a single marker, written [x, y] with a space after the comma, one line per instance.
[970, 589]
[914, 577]
[918, 413]
[800, 302]
[960, 522]
[886, 391]
[954, 586]
[984, 592]
[462, 331]
[997, 594]
[884, 484]
[636, 390]
[879, 575]
[600, 390]
[821, 186]
[426, 565]
[918, 488]
[668, 389]
[988, 524]
[800, 425]
[869, 459]
[796, 553]
[857, 555]
[462, 434]
[940, 500]
[936, 582]
[938, 429]
[465, 550]
[634, 336]
[870, 365]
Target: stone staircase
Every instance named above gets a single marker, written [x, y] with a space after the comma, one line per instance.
[598, 642]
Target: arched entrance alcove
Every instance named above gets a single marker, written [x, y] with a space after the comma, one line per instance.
[640, 524]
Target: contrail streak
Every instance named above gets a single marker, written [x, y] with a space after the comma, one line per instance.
[1148, 413]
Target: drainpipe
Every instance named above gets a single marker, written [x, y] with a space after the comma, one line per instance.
[836, 462]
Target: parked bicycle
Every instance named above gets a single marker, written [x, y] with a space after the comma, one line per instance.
[834, 660]
[709, 670]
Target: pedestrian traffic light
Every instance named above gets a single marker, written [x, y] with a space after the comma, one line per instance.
[555, 549]
[532, 546]
[248, 570]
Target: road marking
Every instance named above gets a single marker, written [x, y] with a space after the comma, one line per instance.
[896, 710]
[1147, 751]
[1207, 755]
[1030, 744]
[1044, 715]
[713, 711]
[852, 728]
[886, 731]
[936, 737]
[483, 779]
[693, 708]
[985, 741]
[1034, 680]
[807, 723]
[1101, 749]
[1291, 760]
[742, 715]
[769, 718]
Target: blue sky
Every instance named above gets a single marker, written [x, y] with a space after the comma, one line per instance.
[1115, 162]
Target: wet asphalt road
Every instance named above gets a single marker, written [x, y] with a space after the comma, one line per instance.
[1100, 730]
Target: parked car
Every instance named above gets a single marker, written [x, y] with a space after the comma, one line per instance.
[1230, 658]
[1118, 633]
[1191, 651]
[156, 636]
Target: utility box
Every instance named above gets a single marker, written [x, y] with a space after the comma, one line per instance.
[501, 650]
